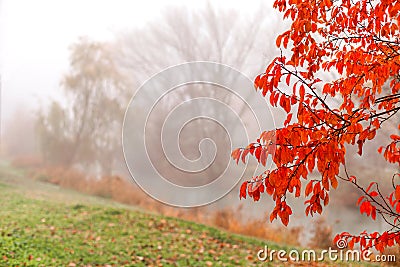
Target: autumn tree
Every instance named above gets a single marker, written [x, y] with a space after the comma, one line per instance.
[83, 129]
[359, 41]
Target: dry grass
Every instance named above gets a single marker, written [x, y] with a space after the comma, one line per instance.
[28, 161]
[322, 234]
[230, 219]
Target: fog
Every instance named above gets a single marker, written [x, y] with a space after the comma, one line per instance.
[50, 50]
[41, 42]
[35, 37]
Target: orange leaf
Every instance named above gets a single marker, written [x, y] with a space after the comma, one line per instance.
[236, 155]
[334, 182]
[285, 217]
[308, 188]
[326, 200]
[279, 40]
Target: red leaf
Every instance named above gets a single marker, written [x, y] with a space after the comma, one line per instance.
[244, 154]
[328, 3]
[288, 119]
[256, 194]
[286, 103]
[336, 239]
[397, 192]
[395, 137]
[285, 41]
[243, 189]
[302, 92]
[360, 199]
[272, 217]
[288, 79]
[351, 243]
[257, 153]
[369, 187]
[263, 156]
[373, 213]
[360, 146]
[373, 194]
[257, 82]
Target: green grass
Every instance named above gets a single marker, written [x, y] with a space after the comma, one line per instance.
[43, 225]
[41, 233]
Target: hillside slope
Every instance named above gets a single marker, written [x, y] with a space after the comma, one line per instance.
[43, 225]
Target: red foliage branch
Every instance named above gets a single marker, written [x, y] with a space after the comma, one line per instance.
[359, 41]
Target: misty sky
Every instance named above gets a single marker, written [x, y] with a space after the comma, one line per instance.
[35, 36]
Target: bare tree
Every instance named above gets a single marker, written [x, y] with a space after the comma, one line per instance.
[181, 35]
[209, 34]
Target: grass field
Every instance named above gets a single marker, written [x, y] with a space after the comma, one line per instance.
[43, 225]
